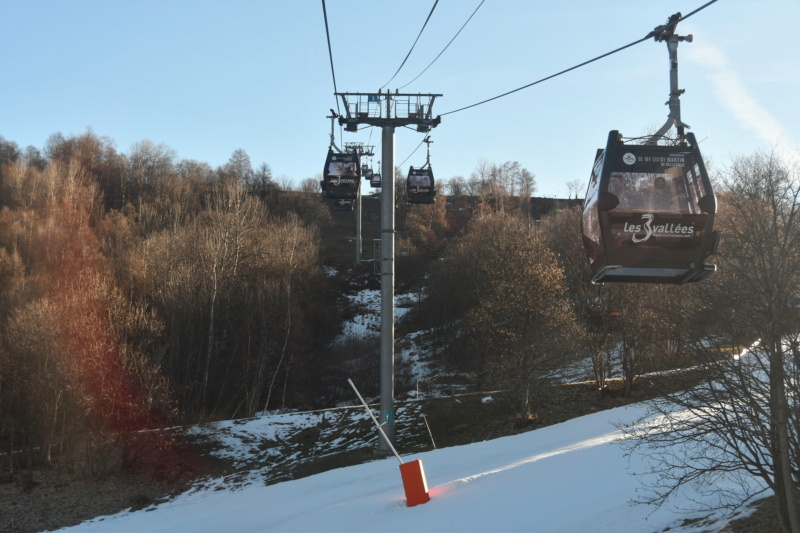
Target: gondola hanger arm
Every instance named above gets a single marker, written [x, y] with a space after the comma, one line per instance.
[333, 117]
[666, 33]
[427, 140]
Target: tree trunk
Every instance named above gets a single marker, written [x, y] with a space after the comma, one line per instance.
[285, 344]
[210, 347]
[786, 491]
[627, 369]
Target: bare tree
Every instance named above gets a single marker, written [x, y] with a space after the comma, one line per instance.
[527, 183]
[594, 306]
[295, 258]
[426, 225]
[457, 186]
[516, 313]
[238, 167]
[65, 340]
[263, 183]
[575, 188]
[309, 185]
[741, 420]
[224, 231]
[9, 151]
[146, 165]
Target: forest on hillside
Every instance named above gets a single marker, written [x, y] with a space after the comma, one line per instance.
[140, 291]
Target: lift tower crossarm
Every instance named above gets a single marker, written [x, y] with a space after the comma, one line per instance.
[360, 148]
[389, 109]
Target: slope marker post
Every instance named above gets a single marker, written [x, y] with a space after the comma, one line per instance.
[412, 473]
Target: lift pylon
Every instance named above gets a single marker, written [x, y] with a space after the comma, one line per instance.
[388, 111]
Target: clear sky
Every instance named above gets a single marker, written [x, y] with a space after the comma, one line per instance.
[207, 78]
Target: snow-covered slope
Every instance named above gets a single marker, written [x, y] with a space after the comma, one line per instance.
[571, 477]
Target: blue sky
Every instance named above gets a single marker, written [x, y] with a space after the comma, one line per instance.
[207, 78]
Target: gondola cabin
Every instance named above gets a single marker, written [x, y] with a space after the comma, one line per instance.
[342, 175]
[648, 215]
[420, 186]
[375, 180]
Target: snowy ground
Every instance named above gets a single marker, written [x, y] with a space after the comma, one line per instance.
[571, 477]
[413, 352]
[367, 304]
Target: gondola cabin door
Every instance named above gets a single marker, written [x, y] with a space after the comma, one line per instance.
[649, 213]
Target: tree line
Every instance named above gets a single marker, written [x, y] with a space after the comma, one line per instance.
[137, 291]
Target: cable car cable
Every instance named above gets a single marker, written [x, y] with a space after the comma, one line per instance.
[446, 47]
[413, 45]
[412, 153]
[684, 17]
[330, 53]
[548, 77]
[655, 33]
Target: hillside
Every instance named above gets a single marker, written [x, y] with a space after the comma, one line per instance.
[278, 448]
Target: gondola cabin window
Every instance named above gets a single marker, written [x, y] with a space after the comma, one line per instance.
[421, 180]
[663, 192]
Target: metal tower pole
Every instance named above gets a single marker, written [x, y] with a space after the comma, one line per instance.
[387, 288]
[358, 226]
